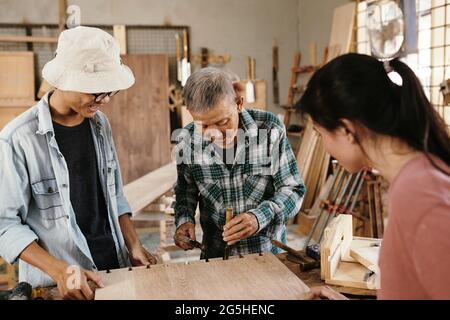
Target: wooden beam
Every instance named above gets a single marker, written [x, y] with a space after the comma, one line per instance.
[212, 58]
[269, 279]
[120, 33]
[62, 5]
[28, 39]
[143, 191]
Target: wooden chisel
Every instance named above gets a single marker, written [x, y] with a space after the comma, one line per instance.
[193, 243]
[228, 217]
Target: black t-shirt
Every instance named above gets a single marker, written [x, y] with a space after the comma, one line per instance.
[86, 194]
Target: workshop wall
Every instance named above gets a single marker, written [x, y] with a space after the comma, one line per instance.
[237, 27]
[222, 26]
[315, 21]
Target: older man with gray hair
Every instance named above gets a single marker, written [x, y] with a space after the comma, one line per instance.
[234, 159]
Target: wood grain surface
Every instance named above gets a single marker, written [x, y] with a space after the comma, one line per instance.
[252, 277]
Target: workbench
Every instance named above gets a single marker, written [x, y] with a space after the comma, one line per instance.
[310, 278]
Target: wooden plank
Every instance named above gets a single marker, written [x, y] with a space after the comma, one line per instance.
[324, 171]
[342, 28]
[16, 76]
[372, 218]
[28, 39]
[305, 146]
[293, 81]
[260, 95]
[120, 33]
[143, 191]
[313, 54]
[378, 209]
[140, 118]
[314, 174]
[367, 256]
[62, 5]
[349, 274]
[311, 278]
[253, 277]
[313, 163]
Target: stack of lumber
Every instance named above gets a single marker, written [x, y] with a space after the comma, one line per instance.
[360, 195]
[313, 162]
[312, 159]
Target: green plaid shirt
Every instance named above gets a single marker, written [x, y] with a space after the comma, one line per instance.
[263, 180]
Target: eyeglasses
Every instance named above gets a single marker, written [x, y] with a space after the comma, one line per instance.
[100, 96]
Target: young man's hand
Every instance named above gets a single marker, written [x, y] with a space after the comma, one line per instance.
[185, 230]
[73, 283]
[139, 256]
[240, 227]
[137, 253]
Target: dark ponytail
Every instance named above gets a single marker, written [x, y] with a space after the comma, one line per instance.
[357, 87]
[431, 127]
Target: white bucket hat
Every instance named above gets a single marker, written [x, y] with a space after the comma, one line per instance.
[87, 60]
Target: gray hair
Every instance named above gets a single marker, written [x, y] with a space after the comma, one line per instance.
[206, 87]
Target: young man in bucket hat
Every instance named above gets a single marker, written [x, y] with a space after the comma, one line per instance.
[61, 195]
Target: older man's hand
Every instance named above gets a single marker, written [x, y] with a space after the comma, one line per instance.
[185, 230]
[240, 227]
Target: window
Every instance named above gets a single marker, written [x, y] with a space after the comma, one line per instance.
[432, 62]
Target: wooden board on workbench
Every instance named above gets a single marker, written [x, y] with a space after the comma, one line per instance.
[140, 119]
[252, 277]
[311, 278]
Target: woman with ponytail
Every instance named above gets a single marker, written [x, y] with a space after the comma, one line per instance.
[365, 119]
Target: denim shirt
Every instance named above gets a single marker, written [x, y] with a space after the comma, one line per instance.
[35, 193]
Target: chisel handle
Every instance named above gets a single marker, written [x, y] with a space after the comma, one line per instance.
[284, 247]
[228, 215]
